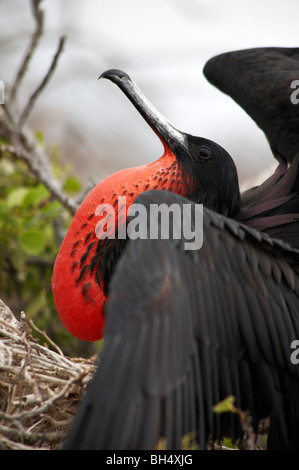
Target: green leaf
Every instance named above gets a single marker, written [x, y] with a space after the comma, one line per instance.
[35, 196]
[3, 209]
[161, 445]
[6, 166]
[188, 441]
[16, 197]
[32, 242]
[36, 304]
[40, 138]
[226, 405]
[229, 443]
[2, 142]
[71, 185]
[48, 233]
[18, 259]
[52, 209]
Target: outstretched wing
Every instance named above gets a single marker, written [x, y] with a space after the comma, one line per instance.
[263, 81]
[187, 328]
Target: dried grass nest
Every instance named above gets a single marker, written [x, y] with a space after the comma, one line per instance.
[40, 388]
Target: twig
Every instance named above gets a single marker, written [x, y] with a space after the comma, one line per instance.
[47, 404]
[32, 438]
[39, 20]
[8, 113]
[43, 333]
[28, 108]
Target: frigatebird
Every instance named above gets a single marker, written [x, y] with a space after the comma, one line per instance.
[187, 328]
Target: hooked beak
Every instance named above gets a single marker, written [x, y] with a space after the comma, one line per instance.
[167, 133]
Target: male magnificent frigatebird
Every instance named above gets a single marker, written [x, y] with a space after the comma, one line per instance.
[186, 328]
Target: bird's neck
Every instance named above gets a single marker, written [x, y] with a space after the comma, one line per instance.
[84, 263]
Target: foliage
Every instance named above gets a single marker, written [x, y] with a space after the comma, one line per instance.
[31, 221]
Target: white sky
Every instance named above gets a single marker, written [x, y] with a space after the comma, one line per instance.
[163, 45]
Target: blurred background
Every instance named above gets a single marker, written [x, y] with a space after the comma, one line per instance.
[163, 45]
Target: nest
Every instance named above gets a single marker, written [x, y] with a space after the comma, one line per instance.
[40, 388]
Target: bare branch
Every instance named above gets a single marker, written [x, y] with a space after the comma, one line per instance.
[28, 108]
[39, 20]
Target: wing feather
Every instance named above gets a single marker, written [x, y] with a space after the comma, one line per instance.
[185, 329]
[262, 75]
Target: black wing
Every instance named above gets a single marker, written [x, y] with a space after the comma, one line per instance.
[187, 328]
[260, 80]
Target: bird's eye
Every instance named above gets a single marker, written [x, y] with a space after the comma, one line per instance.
[204, 152]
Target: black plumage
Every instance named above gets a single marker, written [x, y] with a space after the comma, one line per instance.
[259, 80]
[190, 328]
[186, 328]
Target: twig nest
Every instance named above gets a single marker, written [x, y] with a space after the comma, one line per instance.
[40, 388]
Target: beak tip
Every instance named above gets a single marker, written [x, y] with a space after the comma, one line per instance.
[115, 75]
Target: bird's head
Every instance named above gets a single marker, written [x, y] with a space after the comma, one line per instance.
[207, 170]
